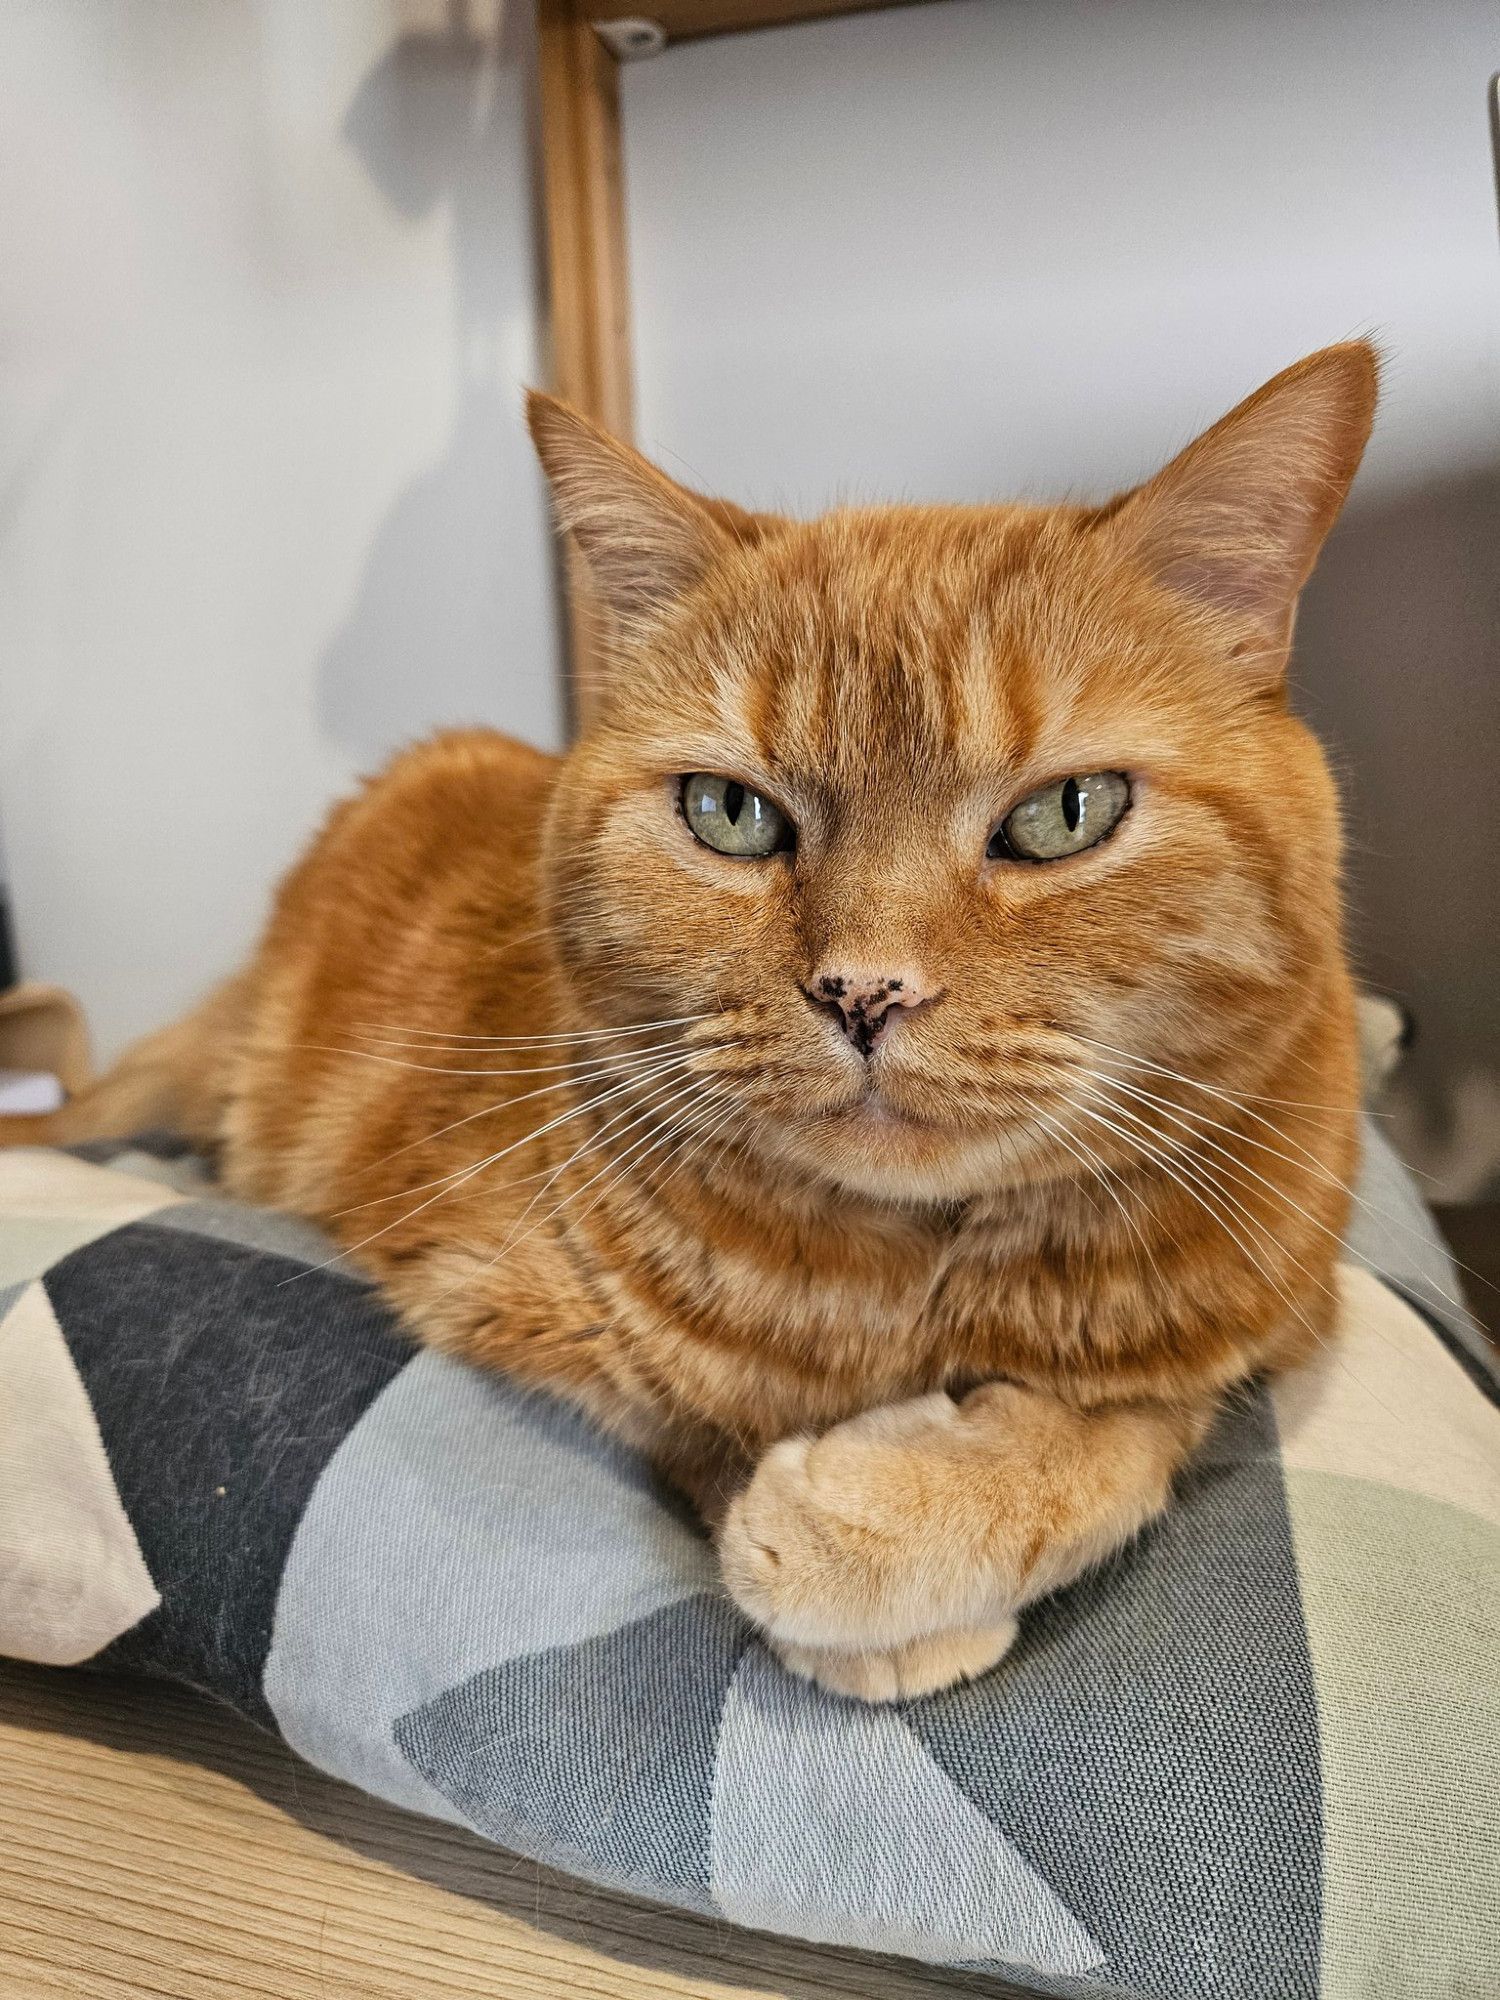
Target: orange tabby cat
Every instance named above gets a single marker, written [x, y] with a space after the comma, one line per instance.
[898, 1068]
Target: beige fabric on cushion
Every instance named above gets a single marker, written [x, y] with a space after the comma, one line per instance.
[1392, 1467]
[71, 1572]
[53, 1204]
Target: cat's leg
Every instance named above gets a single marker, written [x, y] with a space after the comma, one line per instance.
[890, 1556]
[707, 1468]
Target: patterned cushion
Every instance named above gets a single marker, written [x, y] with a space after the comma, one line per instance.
[1251, 1759]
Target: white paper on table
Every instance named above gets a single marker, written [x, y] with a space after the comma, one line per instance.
[29, 1092]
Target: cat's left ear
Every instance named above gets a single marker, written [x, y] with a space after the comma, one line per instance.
[1235, 522]
[646, 540]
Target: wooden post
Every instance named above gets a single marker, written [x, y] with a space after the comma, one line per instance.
[584, 198]
[588, 295]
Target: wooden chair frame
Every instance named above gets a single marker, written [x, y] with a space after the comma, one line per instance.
[580, 46]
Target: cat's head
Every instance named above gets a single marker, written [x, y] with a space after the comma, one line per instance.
[937, 813]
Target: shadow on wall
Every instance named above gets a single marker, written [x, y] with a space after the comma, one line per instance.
[1398, 648]
[435, 623]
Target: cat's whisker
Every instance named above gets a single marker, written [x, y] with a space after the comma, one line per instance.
[1099, 1172]
[687, 1121]
[468, 1174]
[1246, 1110]
[489, 1111]
[704, 1118]
[1217, 1174]
[1240, 1099]
[391, 1044]
[512, 1240]
[1177, 1163]
[652, 1109]
[1163, 1150]
[725, 1119]
[607, 1134]
[1059, 1136]
[605, 1073]
[1149, 1152]
[481, 1042]
[609, 1130]
[1308, 1160]
[1233, 1164]
[1320, 1167]
[621, 1061]
[459, 1180]
[703, 1111]
[1160, 1158]
[1197, 1125]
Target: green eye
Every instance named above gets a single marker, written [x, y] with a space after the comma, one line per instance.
[732, 819]
[1062, 818]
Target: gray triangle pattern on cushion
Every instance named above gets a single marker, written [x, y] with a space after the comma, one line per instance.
[221, 1392]
[831, 1821]
[598, 1756]
[462, 1524]
[1151, 1745]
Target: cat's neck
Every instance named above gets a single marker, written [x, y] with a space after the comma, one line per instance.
[1154, 1272]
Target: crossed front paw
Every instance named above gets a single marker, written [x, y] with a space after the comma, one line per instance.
[900, 1673]
[861, 1539]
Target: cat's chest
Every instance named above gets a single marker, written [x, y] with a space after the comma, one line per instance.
[764, 1323]
[762, 1345]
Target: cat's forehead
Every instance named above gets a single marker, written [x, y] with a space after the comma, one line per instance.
[909, 643]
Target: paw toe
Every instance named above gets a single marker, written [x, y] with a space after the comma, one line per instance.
[901, 1673]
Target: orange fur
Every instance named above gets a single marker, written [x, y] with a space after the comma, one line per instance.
[942, 1323]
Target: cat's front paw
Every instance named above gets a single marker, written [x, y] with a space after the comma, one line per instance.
[856, 1542]
[900, 1673]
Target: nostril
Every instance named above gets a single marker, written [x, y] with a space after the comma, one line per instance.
[865, 1004]
[829, 1005]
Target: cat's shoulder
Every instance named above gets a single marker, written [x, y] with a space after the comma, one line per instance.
[455, 783]
[439, 804]
[464, 757]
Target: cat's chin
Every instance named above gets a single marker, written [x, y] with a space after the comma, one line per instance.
[874, 1148]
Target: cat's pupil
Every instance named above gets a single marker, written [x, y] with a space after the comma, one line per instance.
[734, 799]
[1072, 805]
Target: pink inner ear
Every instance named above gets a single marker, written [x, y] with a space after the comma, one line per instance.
[1235, 522]
[1258, 589]
[646, 539]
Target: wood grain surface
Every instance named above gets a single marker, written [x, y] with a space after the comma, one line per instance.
[155, 1847]
[587, 295]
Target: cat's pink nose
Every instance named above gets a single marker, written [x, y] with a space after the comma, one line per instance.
[866, 1003]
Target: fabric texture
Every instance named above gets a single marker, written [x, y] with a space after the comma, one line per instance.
[1252, 1758]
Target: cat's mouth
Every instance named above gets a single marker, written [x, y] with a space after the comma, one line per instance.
[876, 1113]
[899, 1134]
[879, 1113]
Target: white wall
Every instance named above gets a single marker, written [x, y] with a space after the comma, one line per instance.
[1027, 247]
[997, 246]
[266, 301]
[266, 506]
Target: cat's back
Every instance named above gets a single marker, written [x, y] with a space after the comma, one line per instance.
[398, 922]
[459, 798]
[465, 805]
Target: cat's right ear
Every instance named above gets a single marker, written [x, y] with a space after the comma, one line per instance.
[1234, 523]
[646, 540]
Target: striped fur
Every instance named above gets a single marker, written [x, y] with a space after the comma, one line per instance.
[1003, 1320]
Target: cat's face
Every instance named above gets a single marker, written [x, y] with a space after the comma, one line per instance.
[938, 816]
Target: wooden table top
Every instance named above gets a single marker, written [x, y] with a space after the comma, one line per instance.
[156, 1847]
